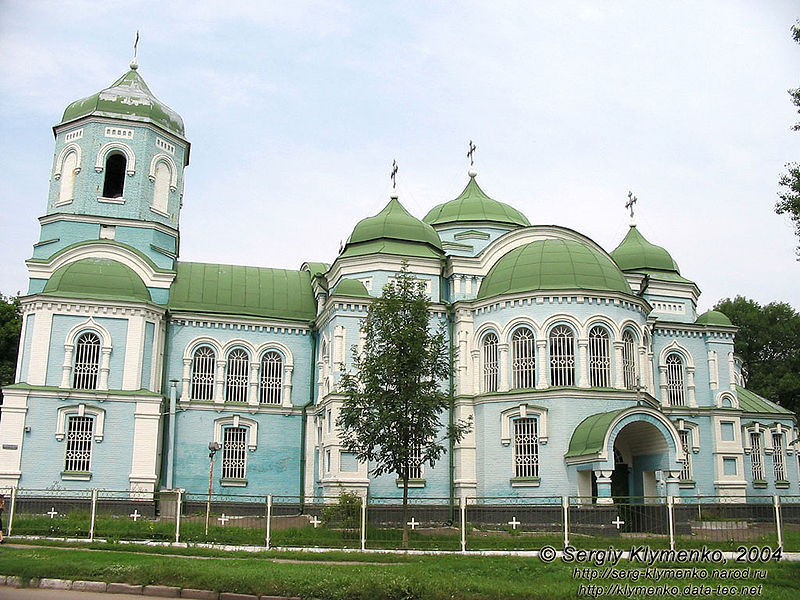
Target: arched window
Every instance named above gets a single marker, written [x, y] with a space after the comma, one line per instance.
[271, 382]
[87, 361]
[203, 367]
[675, 389]
[523, 358]
[114, 183]
[562, 356]
[629, 360]
[234, 453]
[756, 456]
[490, 364]
[599, 358]
[778, 460]
[161, 187]
[68, 167]
[237, 376]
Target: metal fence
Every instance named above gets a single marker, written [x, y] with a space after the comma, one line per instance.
[430, 524]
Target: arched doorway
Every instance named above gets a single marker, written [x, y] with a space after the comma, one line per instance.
[641, 453]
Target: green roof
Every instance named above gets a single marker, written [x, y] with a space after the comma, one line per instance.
[99, 278]
[316, 268]
[753, 403]
[243, 291]
[473, 205]
[127, 98]
[553, 265]
[393, 231]
[713, 317]
[635, 254]
[590, 433]
[351, 287]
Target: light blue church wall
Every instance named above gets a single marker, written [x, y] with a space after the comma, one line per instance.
[693, 345]
[461, 236]
[437, 483]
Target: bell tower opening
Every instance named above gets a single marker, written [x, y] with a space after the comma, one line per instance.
[114, 183]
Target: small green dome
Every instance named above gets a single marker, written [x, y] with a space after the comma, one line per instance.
[100, 278]
[714, 317]
[636, 254]
[393, 231]
[127, 98]
[553, 265]
[475, 206]
[351, 287]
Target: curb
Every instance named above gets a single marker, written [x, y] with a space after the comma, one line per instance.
[160, 591]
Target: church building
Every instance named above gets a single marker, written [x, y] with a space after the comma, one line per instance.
[585, 372]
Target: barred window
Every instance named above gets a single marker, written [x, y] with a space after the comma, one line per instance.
[79, 443]
[675, 390]
[629, 360]
[562, 356]
[756, 456]
[599, 358]
[271, 382]
[778, 462]
[686, 438]
[490, 363]
[524, 358]
[87, 362]
[234, 453]
[203, 367]
[415, 463]
[236, 379]
[526, 448]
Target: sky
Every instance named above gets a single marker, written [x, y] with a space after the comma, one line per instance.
[296, 110]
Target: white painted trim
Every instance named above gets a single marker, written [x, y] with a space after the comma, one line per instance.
[674, 346]
[72, 147]
[80, 410]
[130, 157]
[523, 411]
[173, 170]
[726, 394]
[237, 421]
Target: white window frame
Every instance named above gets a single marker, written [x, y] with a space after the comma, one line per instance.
[237, 421]
[523, 358]
[561, 348]
[80, 410]
[490, 362]
[234, 454]
[193, 384]
[599, 357]
[233, 380]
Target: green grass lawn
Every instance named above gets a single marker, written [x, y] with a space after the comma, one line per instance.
[405, 577]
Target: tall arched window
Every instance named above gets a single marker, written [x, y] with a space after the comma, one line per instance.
[599, 358]
[523, 358]
[675, 388]
[87, 361]
[490, 363]
[203, 366]
[629, 360]
[271, 382]
[562, 356]
[237, 376]
[161, 187]
[68, 167]
[114, 183]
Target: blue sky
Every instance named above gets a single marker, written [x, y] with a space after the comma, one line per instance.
[295, 111]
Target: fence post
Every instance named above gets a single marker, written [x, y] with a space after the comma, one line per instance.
[778, 524]
[13, 506]
[363, 523]
[565, 506]
[463, 524]
[178, 505]
[94, 515]
[269, 520]
[671, 516]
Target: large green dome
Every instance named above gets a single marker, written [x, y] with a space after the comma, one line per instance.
[553, 265]
[473, 205]
[393, 231]
[127, 98]
[99, 278]
[637, 254]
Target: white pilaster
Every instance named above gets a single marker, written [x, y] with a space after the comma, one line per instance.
[619, 374]
[502, 352]
[541, 364]
[40, 348]
[134, 349]
[146, 441]
[583, 362]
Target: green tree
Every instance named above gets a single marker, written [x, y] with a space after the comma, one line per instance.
[789, 195]
[768, 342]
[391, 414]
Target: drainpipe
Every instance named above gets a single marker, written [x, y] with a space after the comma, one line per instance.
[304, 426]
[164, 369]
[173, 396]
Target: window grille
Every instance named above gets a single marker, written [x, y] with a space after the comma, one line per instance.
[415, 463]
[686, 472]
[234, 453]
[562, 356]
[756, 456]
[526, 448]
[675, 391]
[629, 360]
[599, 359]
[490, 363]
[79, 443]
[524, 358]
[271, 378]
[87, 362]
[777, 457]
[236, 383]
[203, 367]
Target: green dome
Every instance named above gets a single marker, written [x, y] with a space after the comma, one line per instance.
[714, 317]
[351, 287]
[100, 278]
[475, 206]
[553, 265]
[637, 254]
[393, 231]
[127, 98]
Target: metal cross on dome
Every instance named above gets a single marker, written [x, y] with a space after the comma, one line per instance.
[136, 45]
[631, 201]
[471, 153]
[394, 174]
